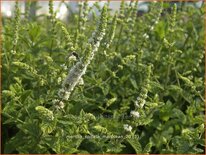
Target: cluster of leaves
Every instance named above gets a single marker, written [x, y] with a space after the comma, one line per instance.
[168, 39]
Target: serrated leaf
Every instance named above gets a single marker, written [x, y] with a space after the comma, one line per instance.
[135, 144]
[47, 127]
[147, 148]
[44, 113]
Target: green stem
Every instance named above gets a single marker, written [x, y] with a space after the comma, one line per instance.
[120, 33]
[16, 119]
[51, 48]
[177, 77]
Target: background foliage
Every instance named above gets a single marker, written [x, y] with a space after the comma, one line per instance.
[156, 57]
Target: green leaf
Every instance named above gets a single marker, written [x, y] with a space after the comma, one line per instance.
[47, 127]
[156, 86]
[135, 144]
[160, 29]
[44, 113]
[186, 80]
[14, 143]
[111, 101]
[134, 83]
[175, 88]
[25, 95]
[180, 115]
[69, 150]
[147, 148]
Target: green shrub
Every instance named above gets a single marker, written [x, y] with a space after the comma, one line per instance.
[116, 83]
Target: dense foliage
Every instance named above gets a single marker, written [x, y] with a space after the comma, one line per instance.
[121, 82]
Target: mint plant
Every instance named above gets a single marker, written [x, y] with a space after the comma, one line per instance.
[109, 82]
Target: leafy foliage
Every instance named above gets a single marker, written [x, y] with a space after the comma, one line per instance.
[115, 83]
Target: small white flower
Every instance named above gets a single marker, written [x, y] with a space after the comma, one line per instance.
[142, 103]
[58, 104]
[152, 28]
[97, 44]
[95, 48]
[134, 114]
[55, 101]
[156, 22]
[81, 81]
[61, 104]
[72, 58]
[136, 104]
[13, 52]
[105, 53]
[145, 36]
[66, 95]
[107, 45]
[64, 66]
[127, 127]
[59, 80]
[145, 95]
[99, 38]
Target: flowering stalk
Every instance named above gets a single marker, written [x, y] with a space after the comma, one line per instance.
[130, 27]
[27, 9]
[51, 8]
[130, 10]
[127, 127]
[16, 27]
[200, 56]
[134, 9]
[122, 7]
[121, 20]
[52, 20]
[173, 19]
[10, 57]
[79, 69]
[140, 102]
[25, 67]
[80, 36]
[70, 45]
[111, 33]
[80, 14]
[133, 14]
[84, 15]
[127, 21]
[170, 59]
[155, 22]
